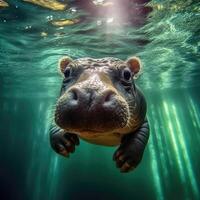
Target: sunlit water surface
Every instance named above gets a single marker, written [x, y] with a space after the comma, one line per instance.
[31, 44]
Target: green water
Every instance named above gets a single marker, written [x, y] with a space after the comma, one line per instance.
[30, 46]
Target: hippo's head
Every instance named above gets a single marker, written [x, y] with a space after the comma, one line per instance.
[97, 95]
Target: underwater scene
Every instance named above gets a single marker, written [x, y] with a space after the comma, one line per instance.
[35, 34]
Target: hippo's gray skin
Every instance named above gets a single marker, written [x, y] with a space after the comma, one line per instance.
[100, 103]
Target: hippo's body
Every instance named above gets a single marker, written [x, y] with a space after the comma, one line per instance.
[101, 104]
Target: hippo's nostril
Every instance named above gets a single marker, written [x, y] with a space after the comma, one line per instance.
[74, 95]
[108, 96]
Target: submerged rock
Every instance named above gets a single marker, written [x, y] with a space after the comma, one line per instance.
[64, 22]
[3, 4]
[50, 4]
[44, 34]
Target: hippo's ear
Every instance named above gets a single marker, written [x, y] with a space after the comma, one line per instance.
[134, 65]
[63, 62]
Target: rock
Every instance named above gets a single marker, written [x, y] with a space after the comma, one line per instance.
[3, 4]
[44, 34]
[50, 4]
[64, 22]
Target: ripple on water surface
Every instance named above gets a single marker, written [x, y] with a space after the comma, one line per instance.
[34, 37]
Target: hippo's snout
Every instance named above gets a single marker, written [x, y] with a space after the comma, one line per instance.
[85, 109]
[92, 100]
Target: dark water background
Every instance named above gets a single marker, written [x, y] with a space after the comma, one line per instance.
[30, 46]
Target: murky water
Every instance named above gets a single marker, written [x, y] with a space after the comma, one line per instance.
[33, 38]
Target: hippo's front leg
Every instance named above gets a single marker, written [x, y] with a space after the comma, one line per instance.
[130, 152]
[63, 142]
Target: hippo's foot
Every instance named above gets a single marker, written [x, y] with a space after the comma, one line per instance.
[128, 156]
[63, 143]
[131, 150]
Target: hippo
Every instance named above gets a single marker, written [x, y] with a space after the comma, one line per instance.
[100, 103]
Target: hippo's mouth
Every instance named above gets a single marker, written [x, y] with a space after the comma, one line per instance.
[91, 131]
[91, 124]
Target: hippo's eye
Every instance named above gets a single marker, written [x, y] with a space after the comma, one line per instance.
[67, 72]
[127, 74]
